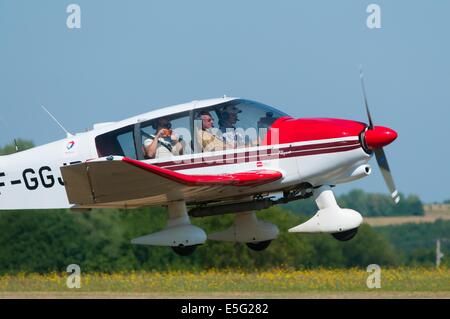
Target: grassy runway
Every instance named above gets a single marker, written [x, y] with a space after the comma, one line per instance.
[276, 283]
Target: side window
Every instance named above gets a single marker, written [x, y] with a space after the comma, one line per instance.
[166, 136]
[126, 142]
[118, 142]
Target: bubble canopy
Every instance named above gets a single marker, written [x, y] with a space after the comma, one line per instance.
[242, 114]
[234, 123]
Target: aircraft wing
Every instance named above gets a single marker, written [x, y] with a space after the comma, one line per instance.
[119, 179]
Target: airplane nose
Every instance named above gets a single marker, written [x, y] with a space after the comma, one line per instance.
[379, 136]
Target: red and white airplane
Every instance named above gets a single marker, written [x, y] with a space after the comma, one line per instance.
[203, 158]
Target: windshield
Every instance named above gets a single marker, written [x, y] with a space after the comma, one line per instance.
[233, 124]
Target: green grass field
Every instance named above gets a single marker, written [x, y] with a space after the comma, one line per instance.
[276, 283]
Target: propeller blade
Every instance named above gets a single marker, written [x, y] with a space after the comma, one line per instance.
[384, 167]
[365, 97]
[379, 153]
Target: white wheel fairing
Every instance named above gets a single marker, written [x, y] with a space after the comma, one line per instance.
[179, 231]
[330, 218]
[247, 228]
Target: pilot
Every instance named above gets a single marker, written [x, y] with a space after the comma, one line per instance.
[165, 143]
[267, 121]
[209, 141]
[227, 124]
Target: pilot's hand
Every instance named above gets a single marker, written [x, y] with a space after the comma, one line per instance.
[175, 138]
[160, 133]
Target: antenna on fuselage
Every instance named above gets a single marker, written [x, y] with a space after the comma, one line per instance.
[57, 122]
[5, 125]
[16, 145]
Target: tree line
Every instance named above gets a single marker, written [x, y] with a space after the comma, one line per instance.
[368, 204]
[46, 241]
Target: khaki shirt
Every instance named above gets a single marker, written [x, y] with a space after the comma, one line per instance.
[210, 142]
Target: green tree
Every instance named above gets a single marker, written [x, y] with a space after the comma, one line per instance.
[11, 148]
[416, 243]
[368, 204]
[100, 241]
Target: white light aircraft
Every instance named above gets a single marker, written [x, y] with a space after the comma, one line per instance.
[203, 158]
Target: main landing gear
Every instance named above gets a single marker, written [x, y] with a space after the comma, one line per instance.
[259, 246]
[345, 235]
[184, 250]
[179, 234]
[248, 229]
[183, 237]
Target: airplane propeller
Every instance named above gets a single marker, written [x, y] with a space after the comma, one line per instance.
[375, 138]
[365, 98]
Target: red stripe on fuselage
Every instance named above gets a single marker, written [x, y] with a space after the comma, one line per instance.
[261, 155]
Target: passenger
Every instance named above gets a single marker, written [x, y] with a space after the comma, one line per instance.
[164, 143]
[227, 124]
[267, 121]
[207, 140]
[264, 125]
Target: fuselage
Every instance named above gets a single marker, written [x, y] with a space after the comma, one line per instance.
[317, 151]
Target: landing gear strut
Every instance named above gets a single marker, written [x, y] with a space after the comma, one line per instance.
[180, 234]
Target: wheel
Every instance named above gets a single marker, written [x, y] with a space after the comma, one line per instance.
[184, 250]
[345, 235]
[258, 246]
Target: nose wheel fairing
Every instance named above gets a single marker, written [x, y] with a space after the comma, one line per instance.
[330, 218]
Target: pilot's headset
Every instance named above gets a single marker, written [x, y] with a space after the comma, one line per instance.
[225, 114]
[198, 116]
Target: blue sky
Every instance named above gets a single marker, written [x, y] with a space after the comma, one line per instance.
[130, 57]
